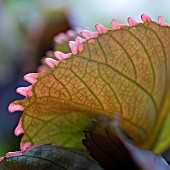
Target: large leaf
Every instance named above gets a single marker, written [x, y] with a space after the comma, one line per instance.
[106, 147]
[124, 70]
[48, 157]
[164, 140]
[115, 152]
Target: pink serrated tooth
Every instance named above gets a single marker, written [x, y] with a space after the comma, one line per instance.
[15, 107]
[101, 29]
[25, 91]
[146, 18]
[71, 33]
[61, 37]
[132, 22]
[79, 41]
[31, 78]
[89, 34]
[61, 56]
[68, 55]
[162, 22]
[1, 159]
[51, 62]
[116, 25]
[19, 130]
[58, 55]
[24, 146]
[11, 154]
[73, 46]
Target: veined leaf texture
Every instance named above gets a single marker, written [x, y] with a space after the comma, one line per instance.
[48, 157]
[123, 71]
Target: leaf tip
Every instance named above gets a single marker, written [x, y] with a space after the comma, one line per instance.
[51, 62]
[146, 18]
[89, 34]
[73, 47]
[19, 130]
[61, 56]
[25, 91]
[162, 22]
[79, 41]
[132, 22]
[31, 78]
[15, 107]
[101, 29]
[116, 25]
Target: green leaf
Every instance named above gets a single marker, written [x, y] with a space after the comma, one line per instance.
[122, 71]
[49, 157]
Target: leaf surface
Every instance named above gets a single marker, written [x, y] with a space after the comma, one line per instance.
[114, 152]
[49, 157]
[122, 71]
[106, 147]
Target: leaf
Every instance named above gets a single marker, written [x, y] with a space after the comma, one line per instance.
[124, 70]
[107, 148]
[48, 157]
[112, 152]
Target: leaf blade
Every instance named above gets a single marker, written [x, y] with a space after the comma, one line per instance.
[125, 71]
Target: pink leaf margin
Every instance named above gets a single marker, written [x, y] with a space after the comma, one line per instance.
[75, 47]
[27, 147]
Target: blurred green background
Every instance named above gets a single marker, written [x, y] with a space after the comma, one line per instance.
[27, 28]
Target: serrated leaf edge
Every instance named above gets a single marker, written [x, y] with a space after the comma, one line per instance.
[75, 47]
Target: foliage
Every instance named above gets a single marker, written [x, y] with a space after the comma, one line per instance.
[108, 145]
[122, 73]
[48, 157]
